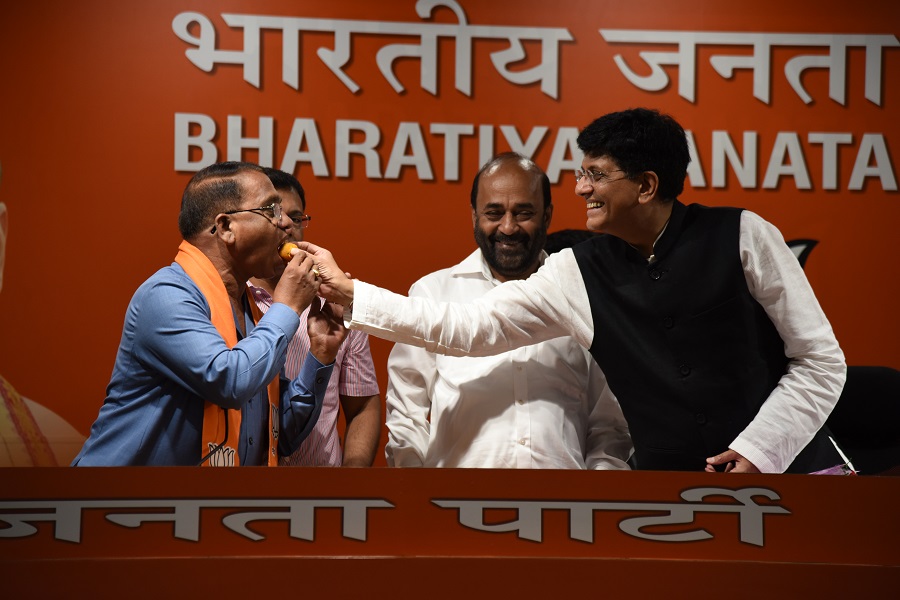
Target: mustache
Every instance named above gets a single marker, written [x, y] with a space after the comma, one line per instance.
[503, 238]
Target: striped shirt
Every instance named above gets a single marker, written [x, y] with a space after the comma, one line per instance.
[353, 375]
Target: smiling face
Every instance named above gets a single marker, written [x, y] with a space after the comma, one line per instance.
[612, 199]
[510, 220]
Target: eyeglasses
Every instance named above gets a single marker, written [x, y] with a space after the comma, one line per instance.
[597, 177]
[302, 221]
[272, 211]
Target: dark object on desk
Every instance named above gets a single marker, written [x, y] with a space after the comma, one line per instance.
[866, 420]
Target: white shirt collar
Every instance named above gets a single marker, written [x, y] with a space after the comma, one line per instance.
[475, 264]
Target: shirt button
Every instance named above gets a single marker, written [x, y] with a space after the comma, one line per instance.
[685, 370]
[520, 401]
[319, 380]
[701, 418]
[250, 441]
[522, 442]
[668, 322]
[655, 274]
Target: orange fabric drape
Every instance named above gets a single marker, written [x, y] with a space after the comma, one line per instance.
[203, 273]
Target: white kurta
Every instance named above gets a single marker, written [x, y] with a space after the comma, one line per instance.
[541, 406]
[554, 302]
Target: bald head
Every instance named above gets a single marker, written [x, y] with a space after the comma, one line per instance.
[516, 161]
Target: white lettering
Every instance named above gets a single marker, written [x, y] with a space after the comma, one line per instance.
[787, 145]
[564, 145]
[873, 144]
[344, 147]
[198, 31]
[451, 132]
[184, 141]
[412, 144]
[723, 148]
[485, 144]
[237, 143]
[305, 130]
[695, 169]
[528, 147]
[830, 165]
[529, 525]
[685, 59]
[409, 135]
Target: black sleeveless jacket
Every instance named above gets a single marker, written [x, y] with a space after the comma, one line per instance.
[689, 353]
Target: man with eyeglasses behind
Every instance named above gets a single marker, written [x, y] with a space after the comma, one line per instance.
[701, 318]
[197, 375]
[353, 387]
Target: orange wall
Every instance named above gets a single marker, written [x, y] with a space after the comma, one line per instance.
[88, 149]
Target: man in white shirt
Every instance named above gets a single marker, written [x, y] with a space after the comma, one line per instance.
[701, 318]
[541, 406]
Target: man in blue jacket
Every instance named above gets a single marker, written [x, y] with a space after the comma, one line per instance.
[197, 375]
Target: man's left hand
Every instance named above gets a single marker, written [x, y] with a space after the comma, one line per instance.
[734, 463]
[326, 330]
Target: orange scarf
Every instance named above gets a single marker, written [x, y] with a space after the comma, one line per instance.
[204, 274]
[20, 432]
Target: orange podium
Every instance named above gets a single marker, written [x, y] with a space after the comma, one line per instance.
[404, 533]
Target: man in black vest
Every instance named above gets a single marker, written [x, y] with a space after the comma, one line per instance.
[690, 301]
[701, 318]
